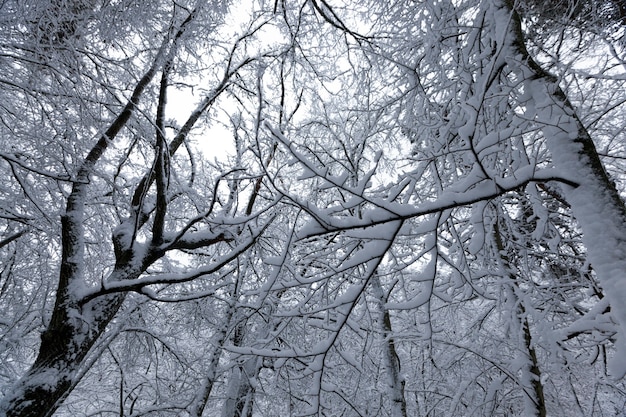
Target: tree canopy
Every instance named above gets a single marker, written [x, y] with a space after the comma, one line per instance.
[312, 208]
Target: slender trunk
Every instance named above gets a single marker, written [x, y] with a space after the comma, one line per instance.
[240, 394]
[395, 383]
[197, 408]
[532, 370]
[535, 371]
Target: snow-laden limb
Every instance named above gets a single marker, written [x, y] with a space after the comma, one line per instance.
[471, 189]
[365, 262]
[15, 159]
[427, 274]
[594, 320]
[595, 202]
[327, 319]
[141, 284]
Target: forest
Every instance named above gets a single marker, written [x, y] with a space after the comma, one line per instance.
[313, 208]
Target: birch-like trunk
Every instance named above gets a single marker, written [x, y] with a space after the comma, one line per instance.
[196, 409]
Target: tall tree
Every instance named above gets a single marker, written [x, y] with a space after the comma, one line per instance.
[456, 83]
[421, 215]
[94, 81]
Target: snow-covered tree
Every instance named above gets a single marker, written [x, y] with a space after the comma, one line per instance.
[110, 199]
[479, 189]
[420, 213]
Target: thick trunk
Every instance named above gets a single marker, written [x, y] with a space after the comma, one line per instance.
[75, 325]
[73, 330]
[39, 392]
[64, 346]
[595, 202]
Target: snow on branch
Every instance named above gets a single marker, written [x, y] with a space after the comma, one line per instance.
[383, 209]
[140, 285]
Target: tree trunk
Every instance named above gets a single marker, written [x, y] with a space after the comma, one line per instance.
[531, 371]
[395, 384]
[595, 202]
[240, 393]
[202, 397]
[65, 343]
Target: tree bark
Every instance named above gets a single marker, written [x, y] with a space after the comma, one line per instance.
[70, 335]
[595, 202]
[395, 383]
